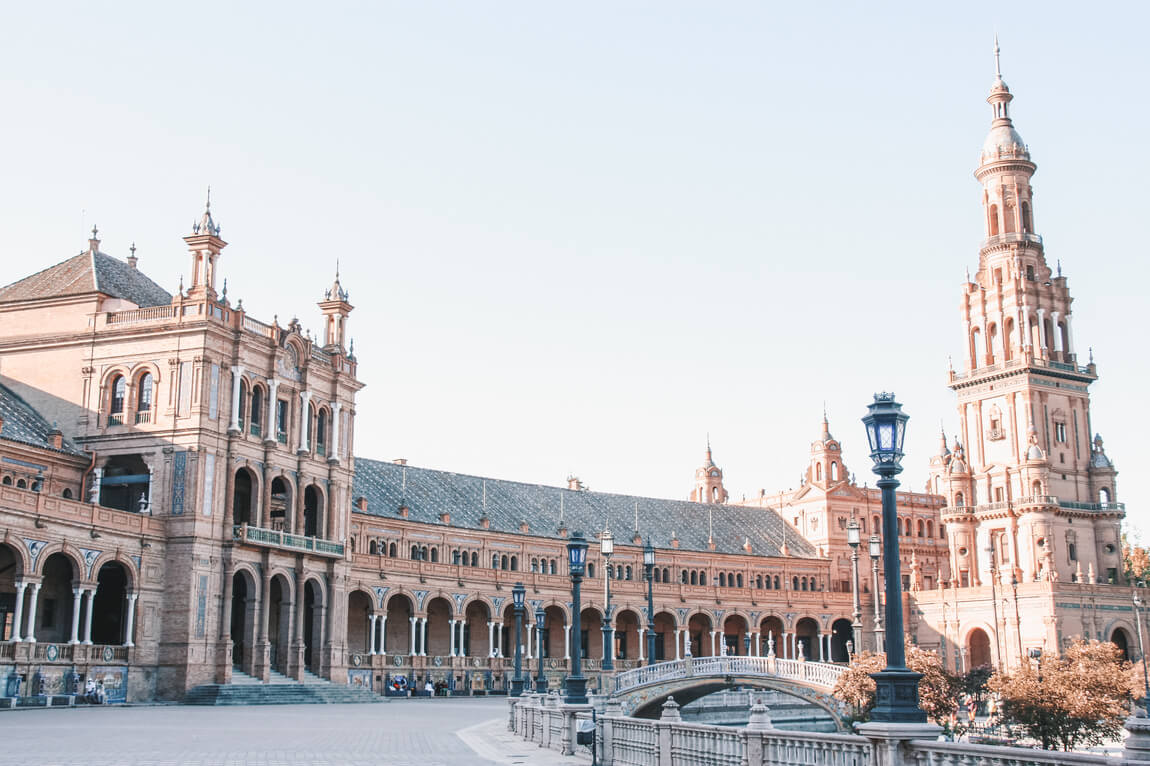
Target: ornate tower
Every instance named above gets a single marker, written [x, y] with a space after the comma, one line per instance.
[205, 245]
[1022, 478]
[826, 467]
[335, 310]
[709, 482]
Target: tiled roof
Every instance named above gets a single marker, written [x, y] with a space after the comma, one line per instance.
[428, 493]
[27, 426]
[87, 273]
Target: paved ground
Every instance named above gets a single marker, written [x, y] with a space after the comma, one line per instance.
[400, 733]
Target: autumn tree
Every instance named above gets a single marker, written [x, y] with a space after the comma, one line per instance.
[937, 690]
[1135, 560]
[1080, 698]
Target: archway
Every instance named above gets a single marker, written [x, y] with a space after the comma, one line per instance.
[699, 635]
[110, 604]
[243, 497]
[807, 636]
[399, 628]
[771, 635]
[978, 649]
[359, 622]
[665, 636]
[312, 512]
[10, 571]
[734, 634]
[591, 626]
[243, 620]
[53, 621]
[280, 502]
[627, 637]
[841, 632]
[475, 619]
[439, 627]
[313, 609]
[554, 632]
[1121, 639]
[279, 622]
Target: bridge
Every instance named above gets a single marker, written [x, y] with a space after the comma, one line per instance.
[643, 691]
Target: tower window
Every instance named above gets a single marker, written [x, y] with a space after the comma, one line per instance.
[1030, 273]
[993, 220]
[1060, 432]
[1026, 225]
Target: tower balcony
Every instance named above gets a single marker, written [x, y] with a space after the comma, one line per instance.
[1010, 238]
[274, 538]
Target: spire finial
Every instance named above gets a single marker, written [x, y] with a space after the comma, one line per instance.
[208, 204]
[997, 61]
[95, 231]
[1059, 262]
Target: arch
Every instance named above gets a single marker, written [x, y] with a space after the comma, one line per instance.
[699, 628]
[1027, 223]
[1121, 639]
[400, 610]
[313, 521]
[929, 528]
[975, 347]
[279, 620]
[117, 398]
[476, 616]
[125, 483]
[554, 631]
[627, 636]
[1008, 331]
[440, 612]
[322, 421]
[978, 649]
[834, 470]
[1104, 495]
[959, 500]
[243, 614]
[841, 632]
[359, 606]
[313, 601]
[722, 579]
[771, 630]
[736, 631]
[71, 555]
[992, 220]
[145, 396]
[694, 578]
[281, 500]
[11, 569]
[818, 471]
[109, 607]
[920, 528]
[807, 636]
[245, 494]
[591, 626]
[52, 622]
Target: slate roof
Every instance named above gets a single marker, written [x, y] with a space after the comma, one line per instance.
[25, 425]
[428, 493]
[87, 273]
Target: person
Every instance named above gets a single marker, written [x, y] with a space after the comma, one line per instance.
[429, 688]
[90, 695]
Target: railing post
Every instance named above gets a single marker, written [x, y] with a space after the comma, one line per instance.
[614, 710]
[667, 720]
[890, 740]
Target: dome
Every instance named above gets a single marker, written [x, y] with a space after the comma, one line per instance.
[1004, 139]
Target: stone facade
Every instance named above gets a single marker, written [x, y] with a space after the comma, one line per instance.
[180, 502]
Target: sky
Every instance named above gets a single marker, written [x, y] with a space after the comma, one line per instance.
[581, 237]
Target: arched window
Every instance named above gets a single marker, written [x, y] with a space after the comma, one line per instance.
[876, 526]
[21, 484]
[993, 220]
[738, 581]
[321, 432]
[590, 570]
[504, 562]
[683, 574]
[803, 583]
[794, 583]
[921, 528]
[7, 481]
[722, 579]
[694, 578]
[257, 410]
[119, 389]
[553, 566]
[514, 563]
[391, 551]
[242, 404]
[1027, 226]
[434, 555]
[373, 548]
[474, 559]
[495, 561]
[415, 553]
[759, 582]
[976, 352]
[818, 471]
[959, 500]
[144, 398]
[1104, 495]
[930, 529]
[628, 573]
[310, 418]
[67, 494]
[834, 471]
[666, 574]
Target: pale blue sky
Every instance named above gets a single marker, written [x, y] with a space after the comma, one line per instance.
[580, 237]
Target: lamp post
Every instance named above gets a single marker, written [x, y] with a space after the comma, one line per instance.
[850, 650]
[606, 548]
[648, 568]
[576, 565]
[896, 687]
[517, 595]
[1137, 601]
[540, 617]
[994, 599]
[874, 547]
[853, 540]
[1017, 618]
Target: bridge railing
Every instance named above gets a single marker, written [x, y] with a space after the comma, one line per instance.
[820, 674]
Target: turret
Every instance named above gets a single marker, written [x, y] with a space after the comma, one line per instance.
[335, 308]
[709, 481]
[205, 245]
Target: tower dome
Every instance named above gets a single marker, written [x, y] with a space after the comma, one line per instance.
[1003, 141]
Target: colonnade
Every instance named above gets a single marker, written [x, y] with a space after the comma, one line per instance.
[24, 621]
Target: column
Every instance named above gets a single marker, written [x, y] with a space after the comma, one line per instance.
[611, 642]
[452, 623]
[237, 376]
[270, 433]
[412, 620]
[19, 615]
[423, 637]
[499, 639]
[130, 623]
[638, 630]
[678, 642]
[304, 424]
[334, 452]
[77, 594]
[713, 634]
[371, 618]
[528, 642]
[1042, 330]
[32, 599]
[1069, 336]
[88, 616]
[567, 642]
[462, 643]
[383, 633]
[1054, 329]
[490, 638]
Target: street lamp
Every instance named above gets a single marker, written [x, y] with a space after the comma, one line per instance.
[1017, 618]
[854, 539]
[540, 617]
[874, 547]
[606, 548]
[648, 568]
[896, 687]
[517, 595]
[994, 599]
[576, 565]
[1137, 601]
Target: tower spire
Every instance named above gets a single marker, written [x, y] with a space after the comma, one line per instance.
[997, 59]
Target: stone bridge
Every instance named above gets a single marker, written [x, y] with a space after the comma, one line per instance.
[643, 691]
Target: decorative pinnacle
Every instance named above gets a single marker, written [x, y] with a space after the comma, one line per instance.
[997, 62]
[95, 232]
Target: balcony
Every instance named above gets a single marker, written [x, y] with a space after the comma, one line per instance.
[272, 538]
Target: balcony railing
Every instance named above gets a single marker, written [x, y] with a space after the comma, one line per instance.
[244, 533]
[143, 416]
[1032, 500]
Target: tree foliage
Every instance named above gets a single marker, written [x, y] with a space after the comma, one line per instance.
[973, 682]
[1080, 698]
[937, 691]
[1135, 560]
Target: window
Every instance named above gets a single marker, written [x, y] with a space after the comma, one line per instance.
[116, 404]
[1072, 551]
[1060, 433]
[281, 420]
[321, 433]
[242, 404]
[144, 399]
[722, 580]
[590, 569]
[257, 410]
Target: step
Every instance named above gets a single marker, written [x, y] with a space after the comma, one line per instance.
[289, 693]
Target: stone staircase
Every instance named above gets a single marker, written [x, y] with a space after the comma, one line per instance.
[279, 690]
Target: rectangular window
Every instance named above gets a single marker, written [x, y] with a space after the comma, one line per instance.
[281, 420]
[964, 578]
[1060, 433]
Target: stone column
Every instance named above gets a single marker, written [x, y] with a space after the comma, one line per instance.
[638, 630]
[304, 423]
[32, 599]
[334, 453]
[18, 617]
[713, 634]
[371, 618]
[88, 616]
[452, 623]
[490, 639]
[412, 620]
[526, 644]
[678, 642]
[423, 637]
[237, 376]
[130, 622]
[383, 634]
[1069, 337]
[77, 594]
[273, 386]
[567, 642]
[1042, 332]
[756, 645]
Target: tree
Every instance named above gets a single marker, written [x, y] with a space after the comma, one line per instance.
[1135, 559]
[973, 682]
[1080, 698]
[937, 691]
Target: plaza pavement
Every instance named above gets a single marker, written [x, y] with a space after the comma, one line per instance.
[419, 732]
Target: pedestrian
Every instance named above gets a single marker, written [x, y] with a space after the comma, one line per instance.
[429, 688]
